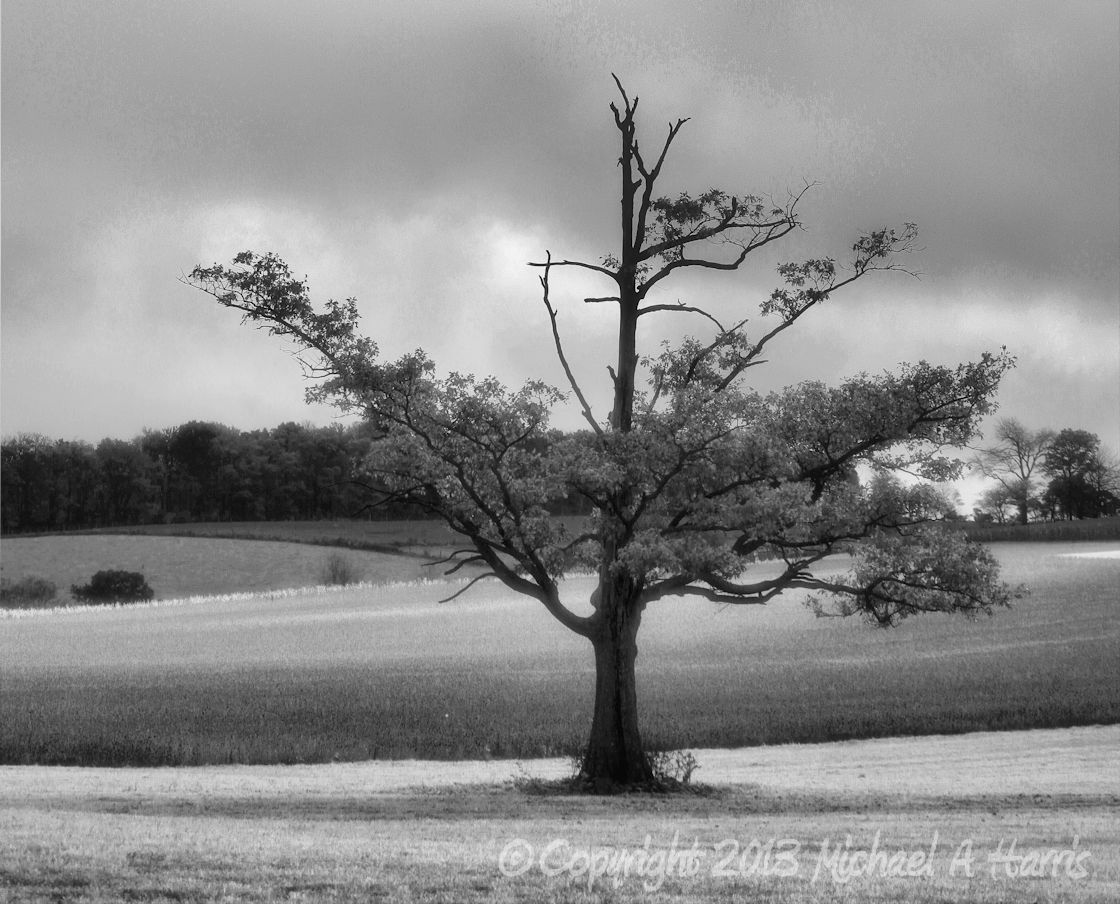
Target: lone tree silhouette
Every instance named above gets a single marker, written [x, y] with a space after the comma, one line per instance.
[694, 473]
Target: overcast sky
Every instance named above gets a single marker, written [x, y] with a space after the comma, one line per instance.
[416, 155]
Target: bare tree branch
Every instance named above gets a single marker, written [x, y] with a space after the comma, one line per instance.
[588, 414]
[458, 593]
[597, 268]
[682, 308]
[650, 176]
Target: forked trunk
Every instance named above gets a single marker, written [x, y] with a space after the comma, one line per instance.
[614, 757]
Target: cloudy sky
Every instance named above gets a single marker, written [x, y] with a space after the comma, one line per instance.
[417, 154]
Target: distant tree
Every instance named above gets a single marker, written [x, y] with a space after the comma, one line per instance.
[1082, 477]
[27, 481]
[193, 449]
[47, 484]
[998, 504]
[689, 478]
[126, 485]
[1012, 461]
[78, 478]
[156, 444]
[1103, 476]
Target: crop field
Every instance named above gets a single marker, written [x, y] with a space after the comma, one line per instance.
[389, 677]
[179, 567]
[389, 672]
[414, 537]
[402, 536]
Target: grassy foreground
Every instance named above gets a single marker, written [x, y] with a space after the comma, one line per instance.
[981, 818]
[389, 672]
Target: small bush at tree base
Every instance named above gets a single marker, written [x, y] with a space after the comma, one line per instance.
[672, 773]
[112, 586]
[30, 592]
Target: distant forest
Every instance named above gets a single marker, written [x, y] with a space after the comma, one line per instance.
[206, 472]
[198, 471]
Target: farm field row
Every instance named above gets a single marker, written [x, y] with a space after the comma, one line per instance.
[390, 672]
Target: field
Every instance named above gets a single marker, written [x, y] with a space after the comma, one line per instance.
[1045, 531]
[178, 567]
[390, 672]
[364, 680]
[403, 537]
[419, 537]
[1022, 816]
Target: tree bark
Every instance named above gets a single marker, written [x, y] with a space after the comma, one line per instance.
[614, 757]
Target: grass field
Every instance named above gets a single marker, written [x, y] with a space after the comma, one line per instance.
[986, 818]
[407, 537]
[387, 671]
[1093, 529]
[192, 566]
[383, 672]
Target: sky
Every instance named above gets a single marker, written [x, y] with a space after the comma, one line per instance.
[416, 155]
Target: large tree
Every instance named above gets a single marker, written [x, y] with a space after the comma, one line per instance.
[1012, 461]
[694, 473]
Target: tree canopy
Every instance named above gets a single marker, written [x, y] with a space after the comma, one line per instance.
[1083, 481]
[1012, 461]
[694, 473]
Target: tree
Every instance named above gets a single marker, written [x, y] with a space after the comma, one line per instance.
[1103, 477]
[994, 504]
[26, 477]
[1012, 461]
[1082, 477]
[692, 476]
[126, 485]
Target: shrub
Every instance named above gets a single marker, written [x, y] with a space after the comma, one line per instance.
[114, 587]
[28, 593]
[672, 773]
[673, 767]
[338, 570]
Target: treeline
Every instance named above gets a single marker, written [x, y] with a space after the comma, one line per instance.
[198, 471]
[1042, 475]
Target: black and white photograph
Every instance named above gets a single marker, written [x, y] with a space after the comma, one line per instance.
[559, 451]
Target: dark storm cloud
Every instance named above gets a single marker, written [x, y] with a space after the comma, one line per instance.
[416, 154]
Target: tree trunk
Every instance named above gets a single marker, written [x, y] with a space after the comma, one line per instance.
[614, 757]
